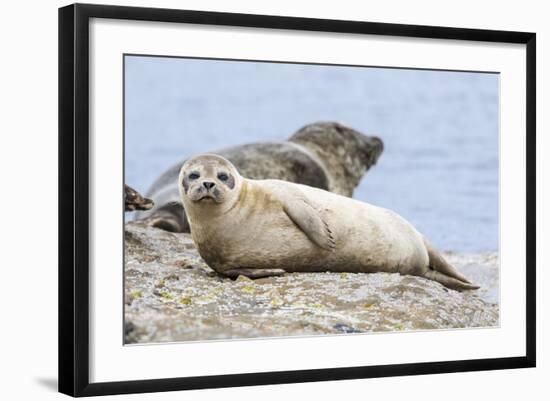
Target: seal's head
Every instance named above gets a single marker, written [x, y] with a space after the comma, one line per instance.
[345, 152]
[210, 181]
[134, 201]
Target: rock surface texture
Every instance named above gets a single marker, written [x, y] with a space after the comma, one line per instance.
[172, 295]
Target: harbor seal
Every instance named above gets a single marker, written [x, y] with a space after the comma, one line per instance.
[260, 228]
[325, 155]
[134, 201]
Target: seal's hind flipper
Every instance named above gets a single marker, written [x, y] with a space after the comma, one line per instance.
[442, 272]
[253, 273]
[308, 218]
[449, 282]
[169, 217]
[166, 223]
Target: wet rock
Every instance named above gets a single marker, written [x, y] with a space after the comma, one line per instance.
[172, 295]
[129, 328]
[343, 328]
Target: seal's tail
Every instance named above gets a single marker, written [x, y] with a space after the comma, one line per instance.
[442, 272]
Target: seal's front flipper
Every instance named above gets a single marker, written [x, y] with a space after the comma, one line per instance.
[253, 273]
[308, 218]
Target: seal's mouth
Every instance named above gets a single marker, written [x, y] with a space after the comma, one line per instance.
[206, 195]
[207, 198]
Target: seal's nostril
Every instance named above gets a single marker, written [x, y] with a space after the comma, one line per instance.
[208, 184]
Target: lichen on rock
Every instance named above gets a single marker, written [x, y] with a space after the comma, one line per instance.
[194, 303]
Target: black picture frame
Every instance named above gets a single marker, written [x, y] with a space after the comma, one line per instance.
[74, 200]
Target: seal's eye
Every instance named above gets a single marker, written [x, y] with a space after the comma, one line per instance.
[223, 177]
[194, 176]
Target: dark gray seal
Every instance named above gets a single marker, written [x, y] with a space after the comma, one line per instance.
[134, 201]
[325, 155]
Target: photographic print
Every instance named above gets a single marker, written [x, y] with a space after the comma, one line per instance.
[235, 189]
[269, 199]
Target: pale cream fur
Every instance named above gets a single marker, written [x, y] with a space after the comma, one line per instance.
[251, 229]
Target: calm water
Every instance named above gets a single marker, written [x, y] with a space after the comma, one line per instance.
[440, 129]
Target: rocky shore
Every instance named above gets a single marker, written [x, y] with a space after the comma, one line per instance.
[172, 295]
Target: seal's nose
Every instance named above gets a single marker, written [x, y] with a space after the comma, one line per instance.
[208, 184]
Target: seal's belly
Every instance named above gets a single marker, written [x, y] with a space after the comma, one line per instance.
[268, 239]
[273, 241]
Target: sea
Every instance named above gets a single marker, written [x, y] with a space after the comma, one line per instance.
[440, 165]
